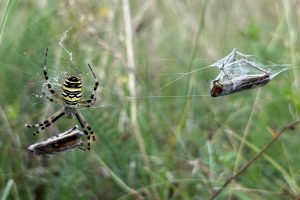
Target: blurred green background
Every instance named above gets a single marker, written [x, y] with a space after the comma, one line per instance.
[188, 145]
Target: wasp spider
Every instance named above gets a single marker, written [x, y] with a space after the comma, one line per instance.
[71, 100]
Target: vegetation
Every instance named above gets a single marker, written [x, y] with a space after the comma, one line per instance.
[179, 145]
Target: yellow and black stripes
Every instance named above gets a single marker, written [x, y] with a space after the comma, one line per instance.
[72, 90]
[71, 97]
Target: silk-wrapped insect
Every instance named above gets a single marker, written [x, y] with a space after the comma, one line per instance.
[242, 72]
[238, 84]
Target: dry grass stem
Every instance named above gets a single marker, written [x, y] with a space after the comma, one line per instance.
[132, 80]
[290, 126]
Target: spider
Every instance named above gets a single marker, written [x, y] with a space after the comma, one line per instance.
[71, 101]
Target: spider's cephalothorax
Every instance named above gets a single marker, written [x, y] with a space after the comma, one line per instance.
[71, 99]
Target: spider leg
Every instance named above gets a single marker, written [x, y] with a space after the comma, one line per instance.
[86, 128]
[86, 103]
[92, 99]
[48, 121]
[55, 95]
[50, 88]
[83, 149]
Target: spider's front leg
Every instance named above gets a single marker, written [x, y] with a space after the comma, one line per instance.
[49, 86]
[92, 99]
[87, 103]
[47, 122]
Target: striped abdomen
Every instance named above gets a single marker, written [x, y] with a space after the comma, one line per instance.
[72, 89]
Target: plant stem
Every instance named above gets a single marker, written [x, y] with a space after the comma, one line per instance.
[254, 158]
[132, 81]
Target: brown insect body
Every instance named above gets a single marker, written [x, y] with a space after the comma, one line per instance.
[237, 84]
[61, 142]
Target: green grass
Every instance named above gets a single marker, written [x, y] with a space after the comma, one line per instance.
[192, 143]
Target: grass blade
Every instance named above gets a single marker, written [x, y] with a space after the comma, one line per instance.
[7, 188]
[5, 16]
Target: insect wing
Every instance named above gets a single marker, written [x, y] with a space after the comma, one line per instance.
[240, 72]
[42, 148]
[61, 142]
[237, 84]
[69, 141]
[250, 82]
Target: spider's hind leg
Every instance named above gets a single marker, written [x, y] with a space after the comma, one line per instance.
[86, 129]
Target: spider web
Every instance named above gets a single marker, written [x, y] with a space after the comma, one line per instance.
[166, 73]
[237, 64]
[111, 97]
[234, 65]
[60, 64]
[160, 69]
